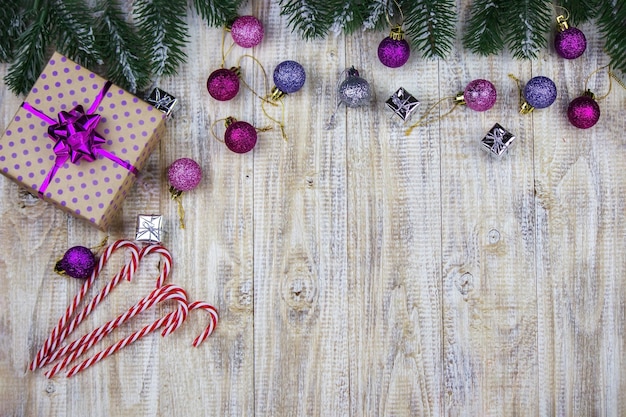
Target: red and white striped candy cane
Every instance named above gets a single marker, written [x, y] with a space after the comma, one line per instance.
[167, 261]
[82, 344]
[196, 305]
[59, 333]
[170, 322]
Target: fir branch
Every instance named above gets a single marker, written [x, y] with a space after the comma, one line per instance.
[71, 22]
[163, 32]
[217, 13]
[431, 25]
[346, 15]
[12, 25]
[485, 32]
[30, 50]
[579, 11]
[528, 21]
[377, 10]
[118, 44]
[612, 24]
[309, 17]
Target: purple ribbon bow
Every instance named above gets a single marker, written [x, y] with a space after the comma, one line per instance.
[76, 137]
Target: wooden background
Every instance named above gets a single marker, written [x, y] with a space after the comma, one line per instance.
[357, 271]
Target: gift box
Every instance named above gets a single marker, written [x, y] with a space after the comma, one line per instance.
[78, 141]
[497, 141]
[402, 103]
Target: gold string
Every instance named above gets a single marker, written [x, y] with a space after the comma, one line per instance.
[617, 79]
[280, 122]
[427, 113]
[230, 48]
[524, 107]
[212, 128]
[610, 83]
[181, 211]
[266, 85]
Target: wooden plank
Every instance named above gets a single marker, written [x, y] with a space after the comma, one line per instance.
[300, 286]
[394, 246]
[489, 287]
[580, 236]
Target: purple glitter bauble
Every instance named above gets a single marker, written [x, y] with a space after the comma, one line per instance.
[223, 84]
[240, 137]
[184, 174]
[570, 43]
[393, 53]
[480, 95]
[583, 112]
[247, 31]
[78, 262]
[540, 92]
[289, 76]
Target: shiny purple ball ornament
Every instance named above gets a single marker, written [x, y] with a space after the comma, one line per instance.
[539, 93]
[77, 262]
[184, 174]
[584, 112]
[247, 31]
[240, 137]
[289, 77]
[223, 84]
[394, 50]
[569, 42]
[479, 95]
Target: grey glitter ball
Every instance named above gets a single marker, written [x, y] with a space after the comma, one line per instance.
[354, 91]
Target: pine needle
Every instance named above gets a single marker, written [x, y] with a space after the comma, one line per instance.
[527, 23]
[484, 34]
[430, 25]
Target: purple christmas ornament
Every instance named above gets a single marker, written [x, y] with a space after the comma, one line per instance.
[394, 50]
[184, 174]
[583, 112]
[480, 95]
[78, 262]
[223, 84]
[247, 31]
[240, 137]
[289, 77]
[570, 43]
[540, 92]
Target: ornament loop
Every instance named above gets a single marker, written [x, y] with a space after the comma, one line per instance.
[562, 20]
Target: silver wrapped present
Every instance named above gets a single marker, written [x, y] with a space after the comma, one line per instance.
[497, 141]
[162, 100]
[149, 228]
[402, 104]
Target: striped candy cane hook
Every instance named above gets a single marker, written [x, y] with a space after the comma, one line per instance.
[61, 331]
[196, 305]
[170, 322]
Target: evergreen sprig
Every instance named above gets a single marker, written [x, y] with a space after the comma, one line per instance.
[431, 25]
[30, 55]
[612, 24]
[163, 32]
[217, 12]
[528, 21]
[11, 26]
[120, 47]
[309, 17]
[71, 22]
[484, 33]
[579, 11]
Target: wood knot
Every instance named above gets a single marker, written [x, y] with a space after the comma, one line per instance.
[464, 283]
[239, 296]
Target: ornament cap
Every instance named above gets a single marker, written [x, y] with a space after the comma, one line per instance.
[562, 22]
[229, 121]
[526, 108]
[460, 98]
[396, 33]
[276, 94]
[589, 94]
[352, 72]
[175, 193]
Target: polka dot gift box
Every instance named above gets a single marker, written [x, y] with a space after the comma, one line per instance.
[79, 141]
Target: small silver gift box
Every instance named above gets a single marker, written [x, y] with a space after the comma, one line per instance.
[402, 104]
[162, 100]
[497, 141]
[149, 228]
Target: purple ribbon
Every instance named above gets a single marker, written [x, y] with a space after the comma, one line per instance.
[76, 137]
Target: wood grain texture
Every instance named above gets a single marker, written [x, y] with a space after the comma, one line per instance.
[357, 271]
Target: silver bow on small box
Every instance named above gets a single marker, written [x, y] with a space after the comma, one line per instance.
[149, 228]
[402, 103]
[497, 141]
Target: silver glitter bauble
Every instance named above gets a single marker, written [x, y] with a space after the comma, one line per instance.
[354, 91]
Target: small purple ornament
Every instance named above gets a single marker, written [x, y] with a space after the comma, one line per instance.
[247, 31]
[289, 77]
[583, 112]
[240, 137]
[184, 174]
[480, 95]
[78, 262]
[393, 53]
[540, 92]
[223, 84]
[570, 43]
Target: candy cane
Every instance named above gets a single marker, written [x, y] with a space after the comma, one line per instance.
[167, 261]
[170, 322]
[212, 324]
[80, 345]
[59, 333]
